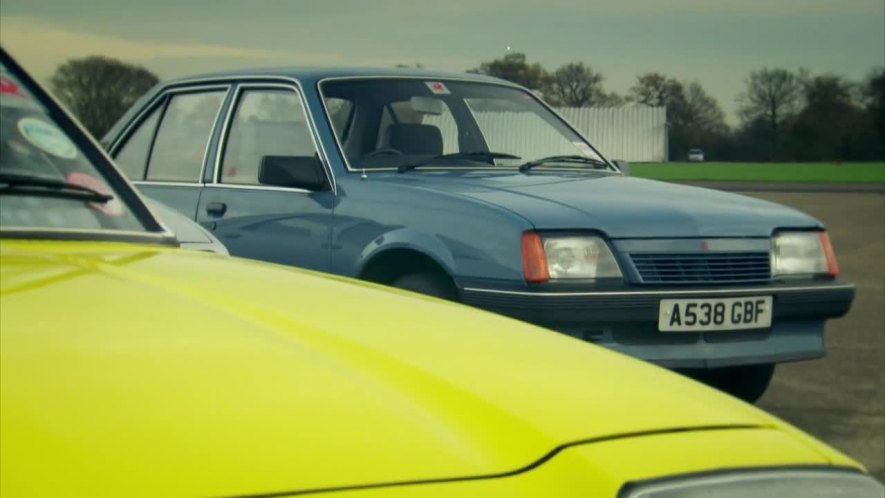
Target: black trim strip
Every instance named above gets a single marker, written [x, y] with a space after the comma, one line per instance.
[671, 291]
[530, 466]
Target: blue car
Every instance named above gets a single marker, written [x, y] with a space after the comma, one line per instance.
[470, 188]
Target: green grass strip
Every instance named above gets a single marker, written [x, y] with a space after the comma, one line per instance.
[868, 172]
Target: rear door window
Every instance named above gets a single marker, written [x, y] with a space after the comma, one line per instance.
[133, 156]
[179, 149]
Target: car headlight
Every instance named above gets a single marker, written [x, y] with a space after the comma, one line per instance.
[802, 253]
[566, 257]
[787, 483]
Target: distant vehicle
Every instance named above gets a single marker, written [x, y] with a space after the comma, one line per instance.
[470, 188]
[133, 368]
[696, 155]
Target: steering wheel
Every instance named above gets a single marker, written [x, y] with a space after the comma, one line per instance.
[387, 151]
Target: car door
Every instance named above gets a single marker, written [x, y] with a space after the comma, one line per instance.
[166, 150]
[255, 220]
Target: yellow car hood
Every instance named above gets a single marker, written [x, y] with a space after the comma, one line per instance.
[133, 370]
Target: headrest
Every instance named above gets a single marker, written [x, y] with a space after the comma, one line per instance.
[415, 139]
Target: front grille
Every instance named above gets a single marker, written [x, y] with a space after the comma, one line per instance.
[701, 268]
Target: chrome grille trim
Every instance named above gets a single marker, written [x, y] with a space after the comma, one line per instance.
[702, 267]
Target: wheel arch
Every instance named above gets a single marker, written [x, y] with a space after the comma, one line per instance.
[402, 252]
[386, 266]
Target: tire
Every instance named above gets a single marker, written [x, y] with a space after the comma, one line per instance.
[746, 382]
[431, 284]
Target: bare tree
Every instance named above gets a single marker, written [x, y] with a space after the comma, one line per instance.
[827, 127]
[874, 89]
[772, 96]
[514, 67]
[577, 85]
[874, 96]
[98, 90]
[657, 90]
[695, 118]
[702, 110]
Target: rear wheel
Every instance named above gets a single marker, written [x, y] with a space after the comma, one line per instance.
[747, 382]
[428, 283]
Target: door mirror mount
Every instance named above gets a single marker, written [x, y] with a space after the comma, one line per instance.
[623, 165]
[305, 172]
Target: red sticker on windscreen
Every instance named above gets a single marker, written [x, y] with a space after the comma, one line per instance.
[10, 87]
[437, 87]
[112, 207]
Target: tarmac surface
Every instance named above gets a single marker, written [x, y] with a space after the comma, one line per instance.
[810, 187]
[841, 397]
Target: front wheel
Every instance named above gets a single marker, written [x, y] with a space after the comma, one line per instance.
[747, 382]
[431, 284]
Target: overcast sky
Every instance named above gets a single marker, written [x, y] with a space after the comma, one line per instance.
[715, 42]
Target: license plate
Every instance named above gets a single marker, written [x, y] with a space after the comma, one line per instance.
[701, 315]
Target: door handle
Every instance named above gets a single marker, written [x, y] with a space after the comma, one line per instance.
[216, 208]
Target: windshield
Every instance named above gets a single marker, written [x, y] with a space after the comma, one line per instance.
[397, 123]
[46, 181]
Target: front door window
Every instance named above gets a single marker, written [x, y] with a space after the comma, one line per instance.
[267, 123]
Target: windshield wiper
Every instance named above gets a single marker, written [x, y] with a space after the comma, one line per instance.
[18, 184]
[563, 159]
[475, 155]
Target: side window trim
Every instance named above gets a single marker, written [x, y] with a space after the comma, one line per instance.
[226, 88]
[162, 100]
[158, 104]
[230, 114]
[161, 108]
[212, 169]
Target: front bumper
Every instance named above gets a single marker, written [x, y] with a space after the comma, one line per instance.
[626, 320]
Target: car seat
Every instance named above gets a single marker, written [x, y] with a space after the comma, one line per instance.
[415, 139]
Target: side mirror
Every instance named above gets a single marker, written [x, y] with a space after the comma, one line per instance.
[623, 165]
[305, 172]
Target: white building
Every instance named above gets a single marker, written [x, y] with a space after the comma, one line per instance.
[631, 133]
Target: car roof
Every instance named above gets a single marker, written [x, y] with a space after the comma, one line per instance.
[317, 73]
[306, 75]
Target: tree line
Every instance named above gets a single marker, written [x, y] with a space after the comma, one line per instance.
[784, 115]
